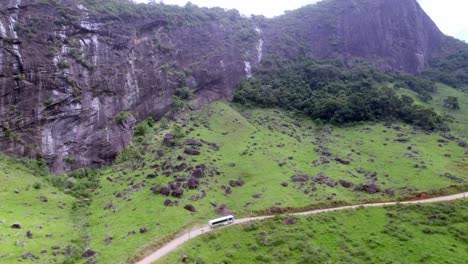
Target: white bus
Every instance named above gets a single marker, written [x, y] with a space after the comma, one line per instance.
[226, 220]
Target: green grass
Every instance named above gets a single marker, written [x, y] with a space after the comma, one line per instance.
[431, 233]
[262, 147]
[252, 143]
[20, 196]
[460, 124]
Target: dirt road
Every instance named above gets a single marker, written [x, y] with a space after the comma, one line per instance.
[205, 229]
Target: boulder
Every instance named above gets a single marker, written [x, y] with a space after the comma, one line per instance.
[88, 253]
[193, 183]
[167, 141]
[192, 142]
[345, 184]
[191, 151]
[342, 161]
[16, 226]
[190, 208]
[165, 190]
[177, 193]
[198, 173]
[151, 176]
[300, 178]
[289, 221]
[26, 255]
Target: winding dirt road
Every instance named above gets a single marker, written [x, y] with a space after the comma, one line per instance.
[205, 229]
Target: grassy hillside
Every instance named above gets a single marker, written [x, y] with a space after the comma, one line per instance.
[40, 209]
[282, 162]
[460, 122]
[431, 233]
[221, 159]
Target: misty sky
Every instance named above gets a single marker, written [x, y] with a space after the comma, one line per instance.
[449, 15]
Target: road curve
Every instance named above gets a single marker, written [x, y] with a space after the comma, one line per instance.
[179, 240]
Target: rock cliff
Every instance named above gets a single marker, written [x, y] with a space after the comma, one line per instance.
[69, 67]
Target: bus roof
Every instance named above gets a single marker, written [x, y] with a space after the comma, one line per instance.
[221, 218]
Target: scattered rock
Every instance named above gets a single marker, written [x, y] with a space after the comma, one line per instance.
[192, 142]
[342, 161]
[190, 208]
[289, 221]
[214, 204]
[300, 178]
[143, 230]
[55, 247]
[389, 192]
[224, 210]
[167, 141]
[108, 239]
[165, 190]
[256, 196]
[88, 253]
[370, 188]
[193, 183]
[276, 210]
[109, 206]
[29, 234]
[190, 151]
[240, 183]
[194, 198]
[177, 193]
[401, 140]
[284, 184]
[26, 255]
[167, 202]
[44, 251]
[16, 226]
[151, 176]
[181, 166]
[44, 199]
[198, 173]
[231, 164]
[345, 183]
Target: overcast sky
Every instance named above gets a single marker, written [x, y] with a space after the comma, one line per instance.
[449, 15]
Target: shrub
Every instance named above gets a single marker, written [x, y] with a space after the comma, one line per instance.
[37, 185]
[122, 117]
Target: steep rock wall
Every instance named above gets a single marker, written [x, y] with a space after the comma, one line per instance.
[66, 73]
[394, 35]
[66, 70]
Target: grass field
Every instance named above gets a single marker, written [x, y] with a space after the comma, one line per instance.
[243, 161]
[264, 149]
[431, 233]
[39, 208]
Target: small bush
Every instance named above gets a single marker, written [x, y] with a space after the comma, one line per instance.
[37, 185]
[122, 117]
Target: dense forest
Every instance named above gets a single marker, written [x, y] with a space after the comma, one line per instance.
[329, 91]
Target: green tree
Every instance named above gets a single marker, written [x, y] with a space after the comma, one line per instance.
[451, 103]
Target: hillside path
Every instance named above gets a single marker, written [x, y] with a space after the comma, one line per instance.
[179, 240]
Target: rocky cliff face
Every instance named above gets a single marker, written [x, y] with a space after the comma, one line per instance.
[394, 35]
[67, 70]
